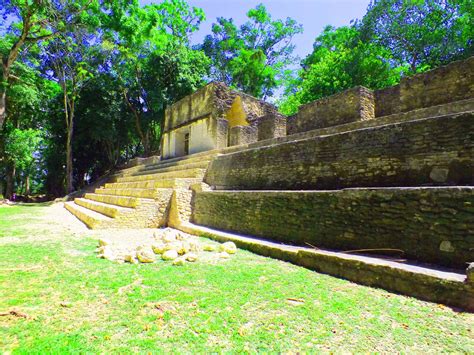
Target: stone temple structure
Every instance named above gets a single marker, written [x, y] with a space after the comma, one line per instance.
[211, 118]
[342, 187]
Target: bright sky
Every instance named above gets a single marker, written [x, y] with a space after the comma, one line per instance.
[314, 15]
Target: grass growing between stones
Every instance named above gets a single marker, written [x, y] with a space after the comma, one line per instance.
[74, 302]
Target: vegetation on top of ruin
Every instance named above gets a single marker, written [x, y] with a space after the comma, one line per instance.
[85, 83]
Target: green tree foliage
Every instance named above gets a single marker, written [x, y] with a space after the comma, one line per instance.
[95, 76]
[340, 60]
[154, 63]
[33, 21]
[254, 56]
[27, 91]
[421, 33]
[22, 146]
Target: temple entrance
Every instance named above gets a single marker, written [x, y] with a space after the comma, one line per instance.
[182, 142]
[186, 144]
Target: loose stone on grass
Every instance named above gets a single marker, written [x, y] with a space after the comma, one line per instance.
[146, 255]
[228, 247]
[167, 244]
[169, 255]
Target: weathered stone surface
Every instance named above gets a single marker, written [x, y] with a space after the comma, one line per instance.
[387, 101]
[145, 255]
[271, 126]
[433, 111]
[448, 83]
[356, 104]
[104, 242]
[415, 220]
[209, 247]
[240, 135]
[401, 154]
[470, 273]
[169, 255]
[228, 247]
[179, 261]
[206, 117]
[191, 257]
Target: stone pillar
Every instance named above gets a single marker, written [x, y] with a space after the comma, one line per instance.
[222, 133]
[272, 125]
[240, 135]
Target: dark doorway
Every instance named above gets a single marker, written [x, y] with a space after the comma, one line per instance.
[186, 144]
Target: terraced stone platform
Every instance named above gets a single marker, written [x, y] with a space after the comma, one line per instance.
[402, 182]
[141, 196]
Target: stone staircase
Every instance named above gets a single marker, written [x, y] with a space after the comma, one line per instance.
[141, 196]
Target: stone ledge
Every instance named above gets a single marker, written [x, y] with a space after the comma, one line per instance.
[398, 154]
[430, 224]
[420, 282]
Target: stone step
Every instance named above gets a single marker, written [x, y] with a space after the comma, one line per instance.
[164, 183]
[163, 169]
[112, 211]
[123, 201]
[149, 193]
[450, 287]
[91, 219]
[192, 157]
[430, 224]
[186, 173]
[192, 160]
[432, 151]
[168, 163]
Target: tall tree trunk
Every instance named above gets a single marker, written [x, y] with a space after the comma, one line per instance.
[27, 185]
[138, 124]
[10, 180]
[69, 162]
[3, 92]
[3, 105]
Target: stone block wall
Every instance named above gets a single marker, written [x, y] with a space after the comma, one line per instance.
[449, 83]
[430, 224]
[356, 104]
[452, 82]
[240, 135]
[271, 126]
[432, 151]
[387, 101]
[222, 127]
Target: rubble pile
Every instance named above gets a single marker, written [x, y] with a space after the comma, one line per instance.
[168, 245]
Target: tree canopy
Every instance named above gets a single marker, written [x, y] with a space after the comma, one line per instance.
[254, 56]
[85, 83]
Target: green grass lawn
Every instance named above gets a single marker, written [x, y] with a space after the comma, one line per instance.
[78, 303]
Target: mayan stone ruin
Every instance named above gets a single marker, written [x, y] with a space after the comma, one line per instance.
[372, 186]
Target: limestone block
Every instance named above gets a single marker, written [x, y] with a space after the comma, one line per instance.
[356, 104]
[179, 261]
[432, 224]
[240, 135]
[145, 255]
[222, 132]
[228, 247]
[169, 255]
[271, 126]
[448, 83]
[470, 273]
[387, 101]
[400, 154]
[180, 210]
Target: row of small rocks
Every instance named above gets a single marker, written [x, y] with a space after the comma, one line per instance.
[167, 244]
